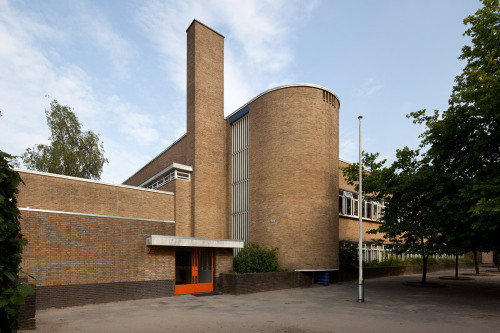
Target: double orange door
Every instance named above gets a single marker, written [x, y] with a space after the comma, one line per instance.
[193, 271]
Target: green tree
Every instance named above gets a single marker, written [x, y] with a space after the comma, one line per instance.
[411, 218]
[464, 141]
[12, 293]
[71, 151]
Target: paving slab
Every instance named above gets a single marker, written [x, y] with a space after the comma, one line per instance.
[390, 306]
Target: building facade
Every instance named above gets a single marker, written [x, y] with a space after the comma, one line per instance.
[267, 173]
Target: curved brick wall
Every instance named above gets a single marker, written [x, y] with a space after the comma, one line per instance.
[294, 144]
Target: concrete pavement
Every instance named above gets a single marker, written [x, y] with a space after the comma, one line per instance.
[462, 306]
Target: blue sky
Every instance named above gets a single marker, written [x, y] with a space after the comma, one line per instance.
[121, 66]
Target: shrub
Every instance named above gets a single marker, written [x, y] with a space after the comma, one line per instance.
[416, 261]
[393, 261]
[254, 259]
[348, 255]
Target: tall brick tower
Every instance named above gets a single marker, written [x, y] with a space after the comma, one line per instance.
[206, 131]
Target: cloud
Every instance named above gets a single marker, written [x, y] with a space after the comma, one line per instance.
[40, 56]
[27, 75]
[368, 88]
[257, 49]
[103, 34]
[133, 123]
[348, 150]
[30, 79]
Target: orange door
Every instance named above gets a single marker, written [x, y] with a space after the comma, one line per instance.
[193, 271]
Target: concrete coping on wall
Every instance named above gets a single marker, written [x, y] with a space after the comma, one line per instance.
[161, 240]
[29, 209]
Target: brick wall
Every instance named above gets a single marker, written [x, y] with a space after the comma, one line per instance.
[349, 226]
[177, 153]
[223, 263]
[349, 229]
[294, 176]
[87, 240]
[240, 284]
[206, 130]
[73, 249]
[69, 194]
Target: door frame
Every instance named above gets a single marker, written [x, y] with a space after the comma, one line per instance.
[194, 286]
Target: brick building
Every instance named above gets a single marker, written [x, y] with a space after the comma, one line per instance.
[267, 173]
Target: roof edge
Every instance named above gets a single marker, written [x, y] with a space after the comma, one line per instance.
[309, 85]
[154, 158]
[206, 26]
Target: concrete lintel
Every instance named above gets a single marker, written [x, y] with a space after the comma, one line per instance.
[160, 240]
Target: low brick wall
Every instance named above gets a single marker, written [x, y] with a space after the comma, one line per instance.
[375, 272]
[27, 311]
[240, 284]
[81, 294]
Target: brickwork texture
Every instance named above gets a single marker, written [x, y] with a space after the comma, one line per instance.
[294, 176]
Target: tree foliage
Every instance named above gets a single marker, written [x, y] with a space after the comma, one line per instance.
[411, 216]
[464, 141]
[12, 293]
[71, 151]
[447, 200]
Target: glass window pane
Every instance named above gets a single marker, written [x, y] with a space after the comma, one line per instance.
[205, 266]
[183, 266]
[348, 205]
[341, 204]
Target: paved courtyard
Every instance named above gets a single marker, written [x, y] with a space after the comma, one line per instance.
[461, 306]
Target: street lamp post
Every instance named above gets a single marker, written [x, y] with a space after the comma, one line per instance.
[361, 287]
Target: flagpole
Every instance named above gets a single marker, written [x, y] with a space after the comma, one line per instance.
[361, 287]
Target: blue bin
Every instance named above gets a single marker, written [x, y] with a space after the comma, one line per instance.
[322, 278]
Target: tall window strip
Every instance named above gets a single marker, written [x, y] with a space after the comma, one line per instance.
[240, 179]
[176, 174]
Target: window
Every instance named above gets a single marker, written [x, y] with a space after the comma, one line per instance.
[375, 210]
[348, 205]
[355, 205]
[175, 174]
[341, 202]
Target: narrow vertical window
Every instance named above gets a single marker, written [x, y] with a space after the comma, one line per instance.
[341, 202]
[355, 205]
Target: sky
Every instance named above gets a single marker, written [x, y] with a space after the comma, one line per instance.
[121, 66]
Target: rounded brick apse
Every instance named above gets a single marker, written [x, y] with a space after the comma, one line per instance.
[293, 175]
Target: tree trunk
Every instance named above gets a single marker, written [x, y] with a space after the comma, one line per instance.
[476, 263]
[456, 266]
[424, 269]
